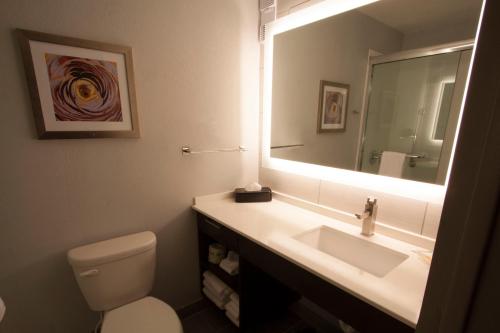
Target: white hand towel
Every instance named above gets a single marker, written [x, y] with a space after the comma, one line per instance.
[231, 267]
[233, 308]
[231, 263]
[391, 164]
[233, 256]
[219, 287]
[220, 304]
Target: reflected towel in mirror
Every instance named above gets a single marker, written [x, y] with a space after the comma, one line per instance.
[391, 164]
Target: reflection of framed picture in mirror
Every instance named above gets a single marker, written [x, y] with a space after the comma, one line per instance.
[332, 108]
[79, 88]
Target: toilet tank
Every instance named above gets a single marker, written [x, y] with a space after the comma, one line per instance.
[115, 272]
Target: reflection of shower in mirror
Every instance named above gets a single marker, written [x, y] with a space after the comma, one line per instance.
[421, 120]
[406, 72]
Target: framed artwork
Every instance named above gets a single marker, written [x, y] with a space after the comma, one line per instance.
[79, 88]
[332, 108]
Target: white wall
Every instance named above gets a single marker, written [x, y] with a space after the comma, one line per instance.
[334, 49]
[196, 67]
[440, 35]
[285, 7]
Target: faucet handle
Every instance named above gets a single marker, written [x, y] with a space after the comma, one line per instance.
[370, 208]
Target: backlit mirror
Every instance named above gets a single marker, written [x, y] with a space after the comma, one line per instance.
[377, 89]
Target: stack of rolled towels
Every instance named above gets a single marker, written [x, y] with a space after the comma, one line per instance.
[222, 296]
[216, 290]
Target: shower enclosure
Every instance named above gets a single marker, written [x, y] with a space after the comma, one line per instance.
[413, 107]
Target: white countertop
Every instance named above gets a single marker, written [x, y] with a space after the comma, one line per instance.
[273, 224]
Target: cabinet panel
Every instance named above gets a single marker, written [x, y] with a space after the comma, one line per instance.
[218, 232]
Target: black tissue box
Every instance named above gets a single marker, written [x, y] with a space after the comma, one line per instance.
[241, 195]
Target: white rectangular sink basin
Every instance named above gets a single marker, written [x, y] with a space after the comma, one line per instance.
[356, 251]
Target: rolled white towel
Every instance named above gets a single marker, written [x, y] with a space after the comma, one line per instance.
[2, 309]
[220, 304]
[219, 287]
[223, 296]
[231, 317]
[233, 308]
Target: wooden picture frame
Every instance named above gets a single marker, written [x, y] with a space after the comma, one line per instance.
[79, 88]
[332, 106]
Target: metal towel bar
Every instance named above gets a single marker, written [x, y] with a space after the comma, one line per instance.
[186, 150]
[287, 146]
[376, 155]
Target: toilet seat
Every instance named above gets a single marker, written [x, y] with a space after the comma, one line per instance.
[147, 315]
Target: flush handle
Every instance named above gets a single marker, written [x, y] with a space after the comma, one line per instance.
[89, 273]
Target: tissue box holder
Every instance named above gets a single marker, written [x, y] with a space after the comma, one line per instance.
[241, 195]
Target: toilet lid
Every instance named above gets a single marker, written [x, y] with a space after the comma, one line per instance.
[147, 315]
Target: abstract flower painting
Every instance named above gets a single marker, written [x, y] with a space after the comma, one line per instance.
[84, 89]
[79, 88]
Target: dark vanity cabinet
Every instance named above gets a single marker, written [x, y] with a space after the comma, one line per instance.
[270, 285]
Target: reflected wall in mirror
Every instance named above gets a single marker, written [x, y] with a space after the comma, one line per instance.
[406, 65]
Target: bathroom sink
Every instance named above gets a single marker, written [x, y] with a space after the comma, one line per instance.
[356, 251]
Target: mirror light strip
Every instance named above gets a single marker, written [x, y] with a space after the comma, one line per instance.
[315, 12]
[452, 156]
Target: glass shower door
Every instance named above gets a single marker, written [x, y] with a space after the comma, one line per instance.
[409, 106]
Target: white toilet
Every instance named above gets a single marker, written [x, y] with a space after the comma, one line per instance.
[116, 276]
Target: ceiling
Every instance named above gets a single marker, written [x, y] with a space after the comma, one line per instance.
[410, 16]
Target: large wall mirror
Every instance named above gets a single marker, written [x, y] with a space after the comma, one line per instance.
[377, 89]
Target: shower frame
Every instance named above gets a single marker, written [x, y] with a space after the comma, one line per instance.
[398, 56]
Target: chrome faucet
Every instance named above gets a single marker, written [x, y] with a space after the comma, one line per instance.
[368, 217]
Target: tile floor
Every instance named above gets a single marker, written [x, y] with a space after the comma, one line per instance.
[213, 320]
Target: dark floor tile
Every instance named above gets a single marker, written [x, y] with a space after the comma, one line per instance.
[198, 322]
[217, 318]
[209, 320]
[213, 320]
[231, 328]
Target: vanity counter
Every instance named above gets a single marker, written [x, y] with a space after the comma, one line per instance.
[273, 224]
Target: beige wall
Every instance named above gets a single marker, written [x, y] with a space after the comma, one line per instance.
[441, 35]
[334, 49]
[196, 66]
[285, 7]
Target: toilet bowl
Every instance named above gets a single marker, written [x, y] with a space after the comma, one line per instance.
[115, 276]
[147, 315]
